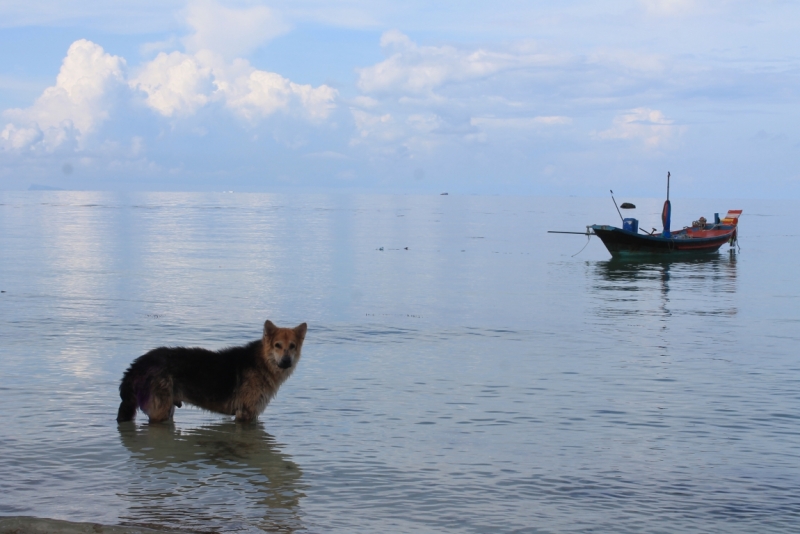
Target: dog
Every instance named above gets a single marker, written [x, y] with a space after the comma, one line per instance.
[238, 381]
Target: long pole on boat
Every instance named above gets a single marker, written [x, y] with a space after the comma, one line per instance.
[666, 213]
[615, 205]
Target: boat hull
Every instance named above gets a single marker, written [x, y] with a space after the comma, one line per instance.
[621, 242]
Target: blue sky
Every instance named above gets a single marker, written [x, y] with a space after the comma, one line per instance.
[502, 97]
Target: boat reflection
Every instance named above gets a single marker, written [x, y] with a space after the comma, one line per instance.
[225, 476]
[659, 286]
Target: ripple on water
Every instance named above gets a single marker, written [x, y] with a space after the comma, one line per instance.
[453, 386]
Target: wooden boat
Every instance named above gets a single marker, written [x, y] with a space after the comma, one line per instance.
[699, 238]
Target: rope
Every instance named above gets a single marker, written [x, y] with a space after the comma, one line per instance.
[588, 238]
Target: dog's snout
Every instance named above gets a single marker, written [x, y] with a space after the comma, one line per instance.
[285, 362]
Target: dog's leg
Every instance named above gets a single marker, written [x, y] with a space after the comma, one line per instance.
[160, 406]
[163, 413]
[128, 406]
[244, 415]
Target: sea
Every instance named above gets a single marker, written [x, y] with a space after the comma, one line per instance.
[464, 370]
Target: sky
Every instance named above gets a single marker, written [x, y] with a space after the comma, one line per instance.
[507, 97]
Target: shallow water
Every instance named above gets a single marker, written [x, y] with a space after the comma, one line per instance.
[483, 380]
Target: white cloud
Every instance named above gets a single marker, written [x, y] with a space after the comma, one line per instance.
[228, 31]
[380, 127]
[649, 126]
[408, 137]
[518, 123]
[18, 138]
[421, 97]
[180, 84]
[92, 84]
[259, 94]
[80, 100]
[364, 102]
[424, 122]
[418, 69]
[175, 84]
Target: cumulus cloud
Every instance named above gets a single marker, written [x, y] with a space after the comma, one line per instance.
[230, 32]
[418, 69]
[82, 98]
[92, 84]
[260, 94]
[18, 138]
[649, 126]
[175, 84]
[179, 84]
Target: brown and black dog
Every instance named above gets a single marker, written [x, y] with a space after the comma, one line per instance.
[237, 381]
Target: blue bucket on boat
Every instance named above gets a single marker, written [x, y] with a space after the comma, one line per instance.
[631, 225]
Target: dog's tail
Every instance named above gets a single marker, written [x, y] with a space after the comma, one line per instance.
[129, 404]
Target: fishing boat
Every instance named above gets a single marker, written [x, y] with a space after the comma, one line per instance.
[699, 238]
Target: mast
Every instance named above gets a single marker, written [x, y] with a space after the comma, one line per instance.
[666, 213]
[667, 185]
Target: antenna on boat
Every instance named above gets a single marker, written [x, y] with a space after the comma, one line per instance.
[615, 205]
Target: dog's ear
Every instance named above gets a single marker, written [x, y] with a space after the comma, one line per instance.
[300, 331]
[269, 329]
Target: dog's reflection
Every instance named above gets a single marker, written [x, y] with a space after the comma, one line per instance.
[225, 476]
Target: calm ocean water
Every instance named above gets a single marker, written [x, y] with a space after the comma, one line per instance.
[482, 380]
